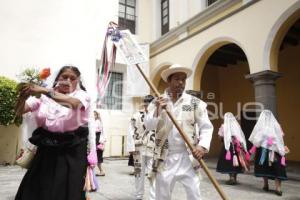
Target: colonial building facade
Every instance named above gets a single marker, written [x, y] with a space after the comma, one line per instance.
[244, 56]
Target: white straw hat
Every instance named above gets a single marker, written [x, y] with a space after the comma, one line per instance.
[174, 69]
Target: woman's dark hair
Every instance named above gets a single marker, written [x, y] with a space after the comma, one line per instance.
[75, 70]
[97, 114]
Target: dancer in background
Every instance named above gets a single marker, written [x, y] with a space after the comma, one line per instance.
[268, 144]
[140, 144]
[100, 142]
[131, 163]
[234, 157]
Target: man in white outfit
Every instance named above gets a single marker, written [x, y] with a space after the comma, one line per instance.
[172, 161]
[140, 143]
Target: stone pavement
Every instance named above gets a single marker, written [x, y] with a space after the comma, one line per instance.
[119, 185]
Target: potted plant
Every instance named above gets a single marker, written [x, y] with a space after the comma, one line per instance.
[9, 130]
[8, 96]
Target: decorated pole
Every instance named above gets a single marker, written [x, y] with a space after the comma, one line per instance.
[133, 55]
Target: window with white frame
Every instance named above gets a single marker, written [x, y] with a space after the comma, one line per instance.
[114, 91]
[210, 2]
[127, 15]
[164, 16]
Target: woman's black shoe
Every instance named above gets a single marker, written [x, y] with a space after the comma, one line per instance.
[231, 182]
[279, 193]
[266, 188]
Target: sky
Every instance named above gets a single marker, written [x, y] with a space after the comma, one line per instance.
[53, 33]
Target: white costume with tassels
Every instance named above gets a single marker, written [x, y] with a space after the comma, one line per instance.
[234, 157]
[267, 138]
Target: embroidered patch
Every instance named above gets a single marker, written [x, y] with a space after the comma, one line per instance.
[152, 136]
[166, 145]
[142, 114]
[188, 108]
[195, 102]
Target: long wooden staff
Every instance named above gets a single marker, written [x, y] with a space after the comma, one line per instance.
[185, 138]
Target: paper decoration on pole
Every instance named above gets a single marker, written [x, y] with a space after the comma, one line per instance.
[129, 48]
[136, 86]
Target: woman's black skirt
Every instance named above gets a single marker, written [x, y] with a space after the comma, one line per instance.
[276, 170]
[57, 171]
[99, 151]
[226, 166]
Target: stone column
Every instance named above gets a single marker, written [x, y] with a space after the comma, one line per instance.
[265, 90]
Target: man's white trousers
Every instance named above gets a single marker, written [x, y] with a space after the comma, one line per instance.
[146, 166]
[178, 167]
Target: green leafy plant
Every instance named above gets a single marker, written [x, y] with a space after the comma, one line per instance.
[8, 97]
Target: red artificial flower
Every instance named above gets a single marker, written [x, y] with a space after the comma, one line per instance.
[44, 73]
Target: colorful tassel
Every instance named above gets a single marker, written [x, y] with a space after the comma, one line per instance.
[252, 150]
[238, 148]
[270, 141]
[252, 156]
[247, 156]
[235, 161]
[271, 156]
[93, 187]
[237, 142]
[243, 162]
[228, 155]
[263, 156]
[95, 181]
[283, 161]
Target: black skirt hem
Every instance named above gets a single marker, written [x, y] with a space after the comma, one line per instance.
[58, 168]
[272, 177]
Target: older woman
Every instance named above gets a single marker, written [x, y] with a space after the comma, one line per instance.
[58, 168]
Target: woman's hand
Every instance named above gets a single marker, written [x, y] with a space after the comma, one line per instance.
[92, 158]
[32, 89]
[286, 149]
[36, 89]
[24, 91]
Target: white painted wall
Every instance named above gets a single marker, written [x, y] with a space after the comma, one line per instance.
[195, 6]
[156, 20]
[149, 12]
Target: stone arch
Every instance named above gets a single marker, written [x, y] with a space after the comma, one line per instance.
[205, 52]
[156, 78]
[277, 33]
[218, 67]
